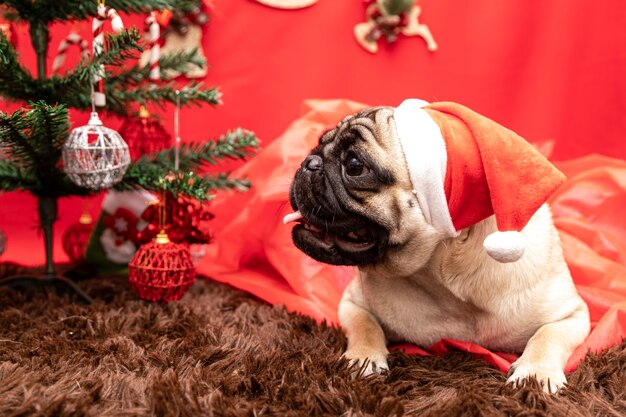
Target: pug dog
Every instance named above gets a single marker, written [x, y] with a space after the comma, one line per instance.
[358, 199]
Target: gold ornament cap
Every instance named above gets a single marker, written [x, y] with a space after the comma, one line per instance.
[162, 238]
[143, 112]
[85, 218]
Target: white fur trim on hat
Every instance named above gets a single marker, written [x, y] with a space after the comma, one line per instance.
[505, 246]
[426, 157]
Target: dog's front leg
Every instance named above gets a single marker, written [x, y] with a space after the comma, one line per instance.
[367, 349]
[547, 352]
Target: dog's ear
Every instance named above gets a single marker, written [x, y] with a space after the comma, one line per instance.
[465, 167]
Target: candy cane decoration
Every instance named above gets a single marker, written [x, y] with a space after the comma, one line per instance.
[72, 39]
[104, 13]
[153, 34]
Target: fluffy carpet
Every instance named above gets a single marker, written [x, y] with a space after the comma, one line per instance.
[220, 352]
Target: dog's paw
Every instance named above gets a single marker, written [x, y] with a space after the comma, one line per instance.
[366, 363]
[551, 378]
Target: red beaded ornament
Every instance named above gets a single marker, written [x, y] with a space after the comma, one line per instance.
[161, 270]
[76, 237]
[144, 134]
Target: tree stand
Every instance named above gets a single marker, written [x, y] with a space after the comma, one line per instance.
[47, 216]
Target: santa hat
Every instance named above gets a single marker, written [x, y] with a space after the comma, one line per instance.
[465, 167]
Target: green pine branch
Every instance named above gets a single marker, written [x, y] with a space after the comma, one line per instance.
[14, 177]
[137, 74]
[149, 171]
[36, 134]
[236, 144]
[15, 80]
[193, 93]
[35, 137]
[73, 88]
[48, 11]
[189, 184]
[48, 128]
[13, 133]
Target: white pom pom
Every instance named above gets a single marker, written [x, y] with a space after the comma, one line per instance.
[505, 246]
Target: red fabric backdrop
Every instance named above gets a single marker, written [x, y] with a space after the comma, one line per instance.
[548, 70]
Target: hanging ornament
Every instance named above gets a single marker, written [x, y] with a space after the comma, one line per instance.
[390, 19]
[76, 237]
[182, 33]
[3, 242]
[94, 156]
[144, 134]
[161, 270]
[185, 222]
[73, 39]
[97, 28]
[288, 4]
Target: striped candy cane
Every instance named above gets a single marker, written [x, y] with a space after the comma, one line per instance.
[72, 39]
[153, 33]
[104, 13]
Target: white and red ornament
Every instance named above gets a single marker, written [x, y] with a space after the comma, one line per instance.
[72, 39]
[97, 27]
[123, 223]
[94, 156]
[390, 19]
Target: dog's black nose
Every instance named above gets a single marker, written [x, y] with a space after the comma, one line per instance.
[313, 163]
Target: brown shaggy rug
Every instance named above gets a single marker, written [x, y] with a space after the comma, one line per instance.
[220, 352]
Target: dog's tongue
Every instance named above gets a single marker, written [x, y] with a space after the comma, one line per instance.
[292, 217]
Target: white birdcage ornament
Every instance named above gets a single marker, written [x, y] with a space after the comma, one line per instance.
[94, 156]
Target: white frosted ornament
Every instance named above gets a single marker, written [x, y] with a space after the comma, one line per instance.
[94, 156]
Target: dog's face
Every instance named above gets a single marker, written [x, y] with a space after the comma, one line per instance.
[355, 197]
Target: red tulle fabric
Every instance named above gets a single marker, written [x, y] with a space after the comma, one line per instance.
[253, 250]
[75, 239]
[161, 272]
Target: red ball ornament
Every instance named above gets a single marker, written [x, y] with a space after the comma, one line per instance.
[76, 237]
[144, 134]
[161, 270]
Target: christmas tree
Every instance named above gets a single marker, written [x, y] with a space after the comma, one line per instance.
[32, 138]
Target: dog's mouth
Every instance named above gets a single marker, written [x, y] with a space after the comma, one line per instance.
[338, 245]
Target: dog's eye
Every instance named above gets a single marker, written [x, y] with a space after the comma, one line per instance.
[355, 167]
